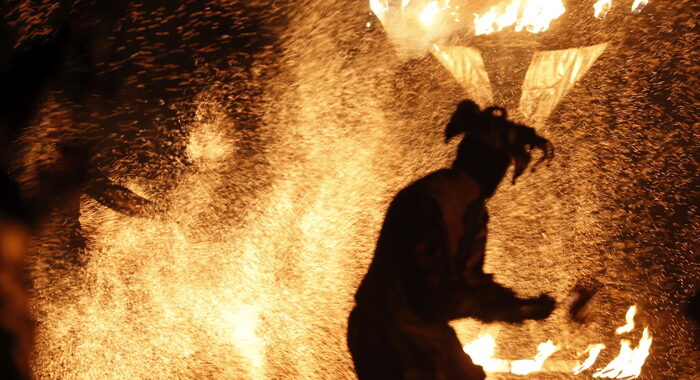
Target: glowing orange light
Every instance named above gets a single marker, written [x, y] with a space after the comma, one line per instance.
[530, 15]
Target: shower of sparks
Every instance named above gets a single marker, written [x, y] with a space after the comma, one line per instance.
[533, 16]
[264, 231]
[629, 321]
[601, 8]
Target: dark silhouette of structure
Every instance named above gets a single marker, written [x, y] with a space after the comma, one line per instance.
[428, 264]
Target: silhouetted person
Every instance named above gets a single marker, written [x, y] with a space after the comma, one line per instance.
[428, 264]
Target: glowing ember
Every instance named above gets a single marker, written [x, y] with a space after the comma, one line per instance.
[544, 351]
[601, 8]
[629, 319]
[628, 363]
[530, 15]
[593, 352]
[638, 5]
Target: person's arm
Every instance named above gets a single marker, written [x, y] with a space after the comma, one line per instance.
[490, 301]
[432, 287]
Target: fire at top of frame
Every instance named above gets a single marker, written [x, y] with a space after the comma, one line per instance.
[416, 23]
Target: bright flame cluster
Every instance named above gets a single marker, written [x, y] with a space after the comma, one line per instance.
[627, 365]
[533, 16]
[482, 351]
[529, 15]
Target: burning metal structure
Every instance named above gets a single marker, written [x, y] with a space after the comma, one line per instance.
[271, 135]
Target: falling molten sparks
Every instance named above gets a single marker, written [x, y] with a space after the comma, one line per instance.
[532, 16]
[627, 365]
[629, 319]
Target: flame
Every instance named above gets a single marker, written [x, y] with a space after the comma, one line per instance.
[629, 319]
[482, 350]
[544, 351]
[638, 5]
[593, 352]
[601, 8]
[531, 15]
[628, 363]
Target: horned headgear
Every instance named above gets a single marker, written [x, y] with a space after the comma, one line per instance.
[492, 128]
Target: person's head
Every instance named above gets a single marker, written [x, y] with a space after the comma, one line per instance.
[491, 143]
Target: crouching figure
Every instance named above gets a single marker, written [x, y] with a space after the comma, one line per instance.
[428, 264]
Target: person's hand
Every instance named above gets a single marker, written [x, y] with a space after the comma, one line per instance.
[538, 308]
